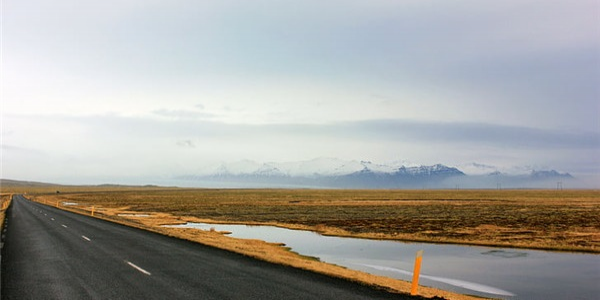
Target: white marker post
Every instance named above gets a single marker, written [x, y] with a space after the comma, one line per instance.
[417, 270]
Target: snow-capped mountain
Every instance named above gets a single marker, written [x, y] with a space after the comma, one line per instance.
[338, 173]
[527, 170]
[327, 172]
[478, 169]
[319, 167]
[315, 168]
[435, 170]
[549, 174]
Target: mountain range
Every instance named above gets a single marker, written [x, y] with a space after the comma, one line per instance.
[337, 173]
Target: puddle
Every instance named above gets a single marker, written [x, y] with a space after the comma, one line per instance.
[483, 271]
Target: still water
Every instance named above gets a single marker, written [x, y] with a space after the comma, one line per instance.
[501, 273]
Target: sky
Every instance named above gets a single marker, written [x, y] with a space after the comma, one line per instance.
[130, 90]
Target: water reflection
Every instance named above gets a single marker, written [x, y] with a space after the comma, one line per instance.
[483, 271]
[505, 254]
[455, 282]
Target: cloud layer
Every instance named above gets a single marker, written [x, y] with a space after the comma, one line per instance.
[104, 145]
[154, 88]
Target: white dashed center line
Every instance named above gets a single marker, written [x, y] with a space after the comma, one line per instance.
[138, 268]
[63, 225]
[86, 238]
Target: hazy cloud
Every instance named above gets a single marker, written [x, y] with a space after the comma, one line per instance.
[154, 87]
[109, 143]
[186, 144]
[474, 133]
[183, 114]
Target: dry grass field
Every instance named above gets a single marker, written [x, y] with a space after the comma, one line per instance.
[556, 220]
[537, 219]
[4, 202]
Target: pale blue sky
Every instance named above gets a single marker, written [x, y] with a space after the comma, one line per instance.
[103, 90]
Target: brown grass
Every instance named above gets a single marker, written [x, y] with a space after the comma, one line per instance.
[556, 220]
[5, 199]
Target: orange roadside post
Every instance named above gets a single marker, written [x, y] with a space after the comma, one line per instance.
[417, 270]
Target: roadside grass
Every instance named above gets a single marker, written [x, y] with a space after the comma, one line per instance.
[5, 199]
[537, 219]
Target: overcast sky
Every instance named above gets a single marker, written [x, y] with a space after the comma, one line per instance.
[109, 91]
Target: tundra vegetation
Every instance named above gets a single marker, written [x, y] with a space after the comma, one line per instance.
[537, 219]
[5, 199]
[567, 220]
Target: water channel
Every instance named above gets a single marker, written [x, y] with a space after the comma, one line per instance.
[501, 273]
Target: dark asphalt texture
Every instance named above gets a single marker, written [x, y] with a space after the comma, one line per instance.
[54, 254]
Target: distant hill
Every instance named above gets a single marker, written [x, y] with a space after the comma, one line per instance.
[21, 183]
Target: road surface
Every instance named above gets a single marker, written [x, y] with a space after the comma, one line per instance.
[54, 254]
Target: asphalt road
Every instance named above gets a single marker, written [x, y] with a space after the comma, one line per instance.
[53, 254]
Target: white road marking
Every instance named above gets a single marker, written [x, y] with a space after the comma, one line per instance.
[52, 219]
[63, 225]
[86, 238]
[138, 268]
